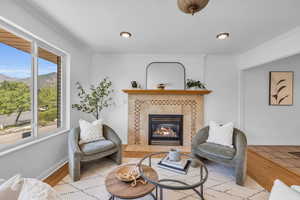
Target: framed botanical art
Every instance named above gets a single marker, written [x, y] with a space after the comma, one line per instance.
[281, 88]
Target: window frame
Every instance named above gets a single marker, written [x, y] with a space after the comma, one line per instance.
[63, 88]
[36, 43]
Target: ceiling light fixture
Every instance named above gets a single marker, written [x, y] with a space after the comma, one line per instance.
[222, 36]
[125, 34]
[191, 6]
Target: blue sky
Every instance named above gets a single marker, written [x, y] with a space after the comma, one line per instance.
[16, 63]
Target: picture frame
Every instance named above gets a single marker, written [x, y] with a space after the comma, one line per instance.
[281, 88]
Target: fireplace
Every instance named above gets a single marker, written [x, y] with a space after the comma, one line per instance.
[165, 130]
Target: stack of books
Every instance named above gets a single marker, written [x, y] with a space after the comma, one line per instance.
[181, 166]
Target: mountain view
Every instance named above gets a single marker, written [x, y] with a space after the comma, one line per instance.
[43, 80]
[6, 78]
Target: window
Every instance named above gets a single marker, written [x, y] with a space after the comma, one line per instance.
[49, 84]
[15, 88]
[32, 87]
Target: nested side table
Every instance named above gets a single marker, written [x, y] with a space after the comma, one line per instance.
[119, 189]
[195, 177]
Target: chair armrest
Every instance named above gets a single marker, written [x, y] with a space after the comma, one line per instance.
[200, 137]
[73, 139]
[110, 134]
[240, 143]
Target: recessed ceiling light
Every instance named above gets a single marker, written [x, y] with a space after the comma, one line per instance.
[222, 36]
[125, 34]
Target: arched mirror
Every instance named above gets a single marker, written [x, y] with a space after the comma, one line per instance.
[172, 74]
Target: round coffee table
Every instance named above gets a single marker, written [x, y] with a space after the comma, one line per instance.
[124, 190]
[195, 177]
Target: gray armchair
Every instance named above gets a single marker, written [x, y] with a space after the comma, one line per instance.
[111, 147]
[235, 157]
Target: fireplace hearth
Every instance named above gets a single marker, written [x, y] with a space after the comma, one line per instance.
[165, 130]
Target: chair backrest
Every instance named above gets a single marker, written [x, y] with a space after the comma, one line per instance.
[237, 136]
[106, 130]
[74, 134]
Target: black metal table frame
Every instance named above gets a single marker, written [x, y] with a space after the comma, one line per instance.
[185, 186]
[112, 197]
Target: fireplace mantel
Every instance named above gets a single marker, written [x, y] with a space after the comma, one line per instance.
[159, 91]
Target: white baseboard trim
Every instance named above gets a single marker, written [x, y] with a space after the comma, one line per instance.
[52, 169]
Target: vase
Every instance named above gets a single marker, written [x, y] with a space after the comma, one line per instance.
[174, 155]
[134, 84]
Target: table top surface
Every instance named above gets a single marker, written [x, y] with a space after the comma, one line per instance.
[124, 190]
[195, 176]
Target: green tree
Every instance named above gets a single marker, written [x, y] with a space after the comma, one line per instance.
[48, 97]
[47, 104]
[14, 98]
[96, 99]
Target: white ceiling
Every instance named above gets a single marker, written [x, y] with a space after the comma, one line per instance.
[159, 27]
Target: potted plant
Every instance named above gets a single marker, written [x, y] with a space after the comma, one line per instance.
[193, 84]
[95, 100]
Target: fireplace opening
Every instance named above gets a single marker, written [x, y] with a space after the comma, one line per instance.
[165, 130]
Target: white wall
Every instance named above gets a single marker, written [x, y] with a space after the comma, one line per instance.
[271, 125]
[36, 160]
[221, 76]
[220, 73]
[280, 47]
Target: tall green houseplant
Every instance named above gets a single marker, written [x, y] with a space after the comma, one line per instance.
[95, 100]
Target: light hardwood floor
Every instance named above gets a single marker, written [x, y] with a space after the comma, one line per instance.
[267, 163]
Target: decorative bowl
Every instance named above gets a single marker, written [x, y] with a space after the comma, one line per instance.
[161, 86]
[128, 173]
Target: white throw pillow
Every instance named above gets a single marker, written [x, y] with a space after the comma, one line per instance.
[11, 188]
[281, 191]
[296, 187]
[219, 134]
[90, 132]
[34, 189]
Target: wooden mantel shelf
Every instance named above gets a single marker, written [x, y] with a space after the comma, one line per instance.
[158, 91]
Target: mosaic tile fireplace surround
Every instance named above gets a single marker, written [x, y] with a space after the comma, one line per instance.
[143, 105]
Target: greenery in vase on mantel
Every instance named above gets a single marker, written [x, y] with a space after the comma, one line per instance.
[193, 84]
[95, 100]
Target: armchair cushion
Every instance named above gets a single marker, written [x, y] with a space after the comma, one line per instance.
[216, 150]
[90, 132]
[221, 134]
[296, 187]
[11, 188]
[97, 147]
[281, 191]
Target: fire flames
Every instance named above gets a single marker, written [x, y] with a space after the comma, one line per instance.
[165, 131]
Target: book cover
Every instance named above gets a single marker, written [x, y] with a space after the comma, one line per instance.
[178, 164]
[175, 169]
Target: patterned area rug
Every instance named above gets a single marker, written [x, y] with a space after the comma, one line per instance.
[220, 184]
